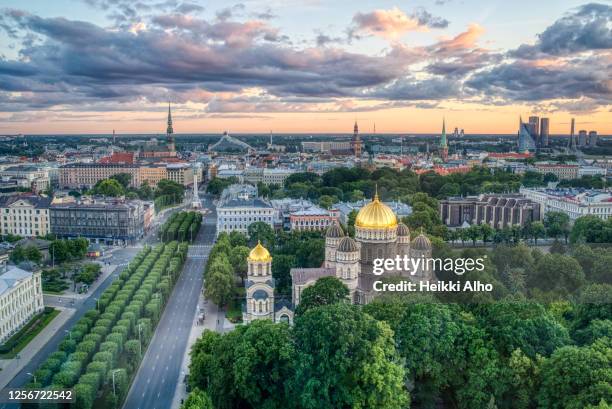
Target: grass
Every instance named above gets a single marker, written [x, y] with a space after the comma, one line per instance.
[19, 341]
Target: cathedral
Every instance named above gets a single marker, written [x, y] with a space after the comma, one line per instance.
[378, 235]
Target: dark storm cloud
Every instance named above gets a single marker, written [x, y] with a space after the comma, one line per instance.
[520, 81]
[180, 53]
[588, 28]
[76, 65]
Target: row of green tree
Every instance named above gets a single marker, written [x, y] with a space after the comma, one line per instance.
[181, 226]
[103, 349]
[399, 352]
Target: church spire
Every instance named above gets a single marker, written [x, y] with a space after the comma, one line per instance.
[169, 130]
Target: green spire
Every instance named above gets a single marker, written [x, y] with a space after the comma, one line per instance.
[443, 136]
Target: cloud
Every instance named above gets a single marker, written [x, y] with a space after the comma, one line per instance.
[587, 28]
[393, 23]
[233, 62]
[524, 81]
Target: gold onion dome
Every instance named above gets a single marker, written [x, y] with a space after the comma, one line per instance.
[376, 215]
[259, 254]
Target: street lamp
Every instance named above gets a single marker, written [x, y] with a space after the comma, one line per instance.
[139, 340]
[97, 304]
[113, 373]
[69, 334]
[32, 375]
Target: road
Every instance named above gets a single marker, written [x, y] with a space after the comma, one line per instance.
[120, 257]
[160, 370]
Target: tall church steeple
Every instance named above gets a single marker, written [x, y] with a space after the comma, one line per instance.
[356, 141]
[169, 130]
[170, 133]
[443, 144]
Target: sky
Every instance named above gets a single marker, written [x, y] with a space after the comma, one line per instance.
[310, 66]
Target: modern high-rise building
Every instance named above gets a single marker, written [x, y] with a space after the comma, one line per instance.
[526, 141]
[534, 128]
[544, 131]
[571, 144]
[582, 138]
[593, 138]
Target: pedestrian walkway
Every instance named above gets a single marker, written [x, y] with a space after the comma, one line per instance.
[11, 367]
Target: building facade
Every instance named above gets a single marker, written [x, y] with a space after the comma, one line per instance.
[21, 298]
[561, 171]
[86, 175]
[239, 207]
[25, 215]
[498, 211]
[111, 221]
[573, 202]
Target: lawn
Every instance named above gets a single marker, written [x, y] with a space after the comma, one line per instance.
[18, 341]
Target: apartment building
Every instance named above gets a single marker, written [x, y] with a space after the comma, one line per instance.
[21, 298]
[86, 175]
[561, 171]
[573, 202]
[111, 221]
[24, 215]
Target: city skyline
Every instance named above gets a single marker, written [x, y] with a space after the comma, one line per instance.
[92, 66]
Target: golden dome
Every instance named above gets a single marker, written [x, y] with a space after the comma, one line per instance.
[259, 254]
[376, 215]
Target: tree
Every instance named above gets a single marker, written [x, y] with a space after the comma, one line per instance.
[108, 187]
[219, 282]
[263, 361]
[557, 224]
[580, 375]
[238, 259]
[550, 177]
[197, 399]
[591, 229]
[537, 231]
[557, 272]
[167, 187]
[260, 231]
[281, 267]
[325, 291]
[474, 233]
[486, 232]
[345, 358]
[125, 179]
[327, 201]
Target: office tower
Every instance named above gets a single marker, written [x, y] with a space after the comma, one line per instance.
[571, 144]
[582, 138]
[593, 138]
[456, 132]
[534, 126]
[544, 131]
[526, 141]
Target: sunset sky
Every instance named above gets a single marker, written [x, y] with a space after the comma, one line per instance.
[91, 66]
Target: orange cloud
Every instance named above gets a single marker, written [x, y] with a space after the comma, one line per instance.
[388, 24]
[464, 40]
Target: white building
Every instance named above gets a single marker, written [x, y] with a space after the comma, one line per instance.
[591, 171]
[21, 298]
[25, 215]
[239, 207]
[573, 202]
[267, 176]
